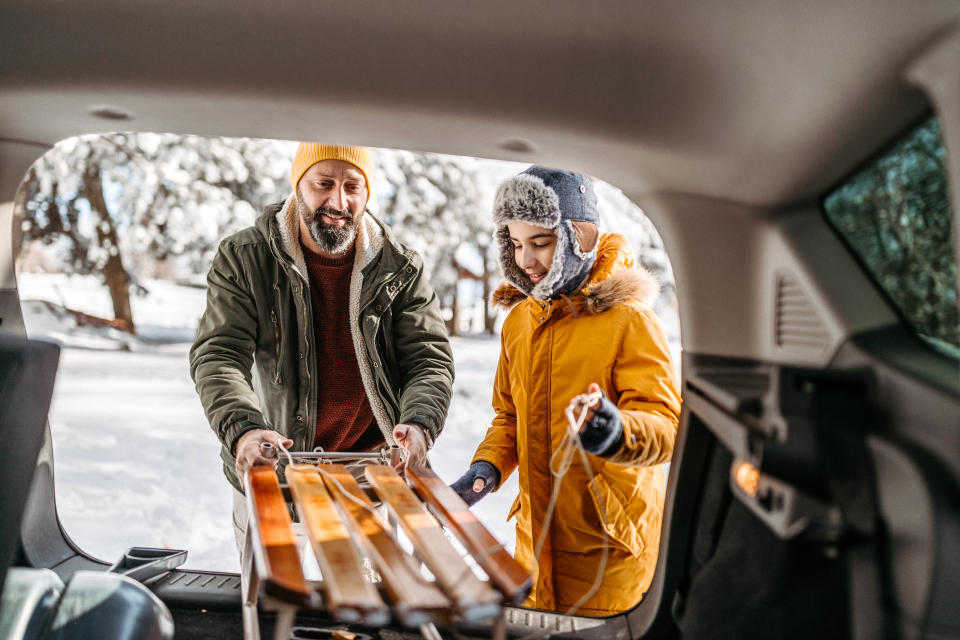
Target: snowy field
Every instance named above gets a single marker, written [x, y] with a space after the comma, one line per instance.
[137, 463]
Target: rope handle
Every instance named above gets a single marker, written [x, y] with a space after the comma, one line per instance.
[584, 402]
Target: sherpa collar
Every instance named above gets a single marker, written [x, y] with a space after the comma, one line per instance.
[614, 280]
[369, 243]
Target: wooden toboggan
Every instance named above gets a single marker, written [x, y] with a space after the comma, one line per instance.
[368, 578]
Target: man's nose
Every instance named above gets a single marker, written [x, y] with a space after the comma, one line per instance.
[338, 199]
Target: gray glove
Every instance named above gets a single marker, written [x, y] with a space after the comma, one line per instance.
[479, 469]
[603, 435]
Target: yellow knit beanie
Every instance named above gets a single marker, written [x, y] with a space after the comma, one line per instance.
[310, 153]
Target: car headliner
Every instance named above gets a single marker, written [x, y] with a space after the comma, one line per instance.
[761, 103]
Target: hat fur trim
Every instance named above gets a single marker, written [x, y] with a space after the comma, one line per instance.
[526, 198]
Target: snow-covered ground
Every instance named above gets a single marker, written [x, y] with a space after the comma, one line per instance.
[137, 463]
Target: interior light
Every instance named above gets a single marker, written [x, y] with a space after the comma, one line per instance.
[746, 476]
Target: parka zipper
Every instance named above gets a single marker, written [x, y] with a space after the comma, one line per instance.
[309, 419]
[277, 376]
[287, 262]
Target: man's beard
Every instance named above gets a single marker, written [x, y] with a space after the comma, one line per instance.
[330, 238]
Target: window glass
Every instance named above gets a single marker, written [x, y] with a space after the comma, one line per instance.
[895, 213]
[113, 244]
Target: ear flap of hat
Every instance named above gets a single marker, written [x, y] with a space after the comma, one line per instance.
[587, 235]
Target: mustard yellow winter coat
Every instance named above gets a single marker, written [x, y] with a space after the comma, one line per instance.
[550, 353]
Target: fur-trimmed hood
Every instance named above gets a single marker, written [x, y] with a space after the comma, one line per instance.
[614, 280]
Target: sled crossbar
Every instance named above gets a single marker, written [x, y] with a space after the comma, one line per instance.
[274, 543]
[349, 596]
[504, 572]
[416, 600]
[473, 598]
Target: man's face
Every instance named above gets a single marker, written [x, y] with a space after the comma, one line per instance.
[331, 197]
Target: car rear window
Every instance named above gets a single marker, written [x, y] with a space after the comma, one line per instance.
[895, 214]
[136, 462]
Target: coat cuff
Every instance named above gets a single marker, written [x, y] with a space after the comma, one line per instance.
[426, 432]
[233, 433]
[430, 428]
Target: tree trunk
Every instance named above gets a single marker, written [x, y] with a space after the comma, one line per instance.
[455, 316]
[114, 273]
[489, 315]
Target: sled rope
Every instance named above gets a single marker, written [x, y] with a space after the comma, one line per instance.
[560, 463]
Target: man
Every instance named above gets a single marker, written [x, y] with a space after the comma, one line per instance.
[320, 327]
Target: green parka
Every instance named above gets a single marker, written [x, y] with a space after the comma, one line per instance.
[253, 360]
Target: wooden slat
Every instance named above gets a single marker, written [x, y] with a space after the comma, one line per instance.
[274, 543]
[504, 571]
[473, 598]
[349, 596]
[415, 600]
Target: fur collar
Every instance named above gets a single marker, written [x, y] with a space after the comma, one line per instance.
[613, 281]
[635, 284]
[370, 240]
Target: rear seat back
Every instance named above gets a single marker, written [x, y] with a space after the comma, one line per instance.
[108, 605]
[34, 603]
[28, 603]
[27, 371]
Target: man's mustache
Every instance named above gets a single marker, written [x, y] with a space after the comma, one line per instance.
[333, 213]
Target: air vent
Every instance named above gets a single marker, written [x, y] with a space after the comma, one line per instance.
[798, 325]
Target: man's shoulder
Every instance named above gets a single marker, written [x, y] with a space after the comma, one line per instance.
[255, 234]
[247, 236]
[398, 248]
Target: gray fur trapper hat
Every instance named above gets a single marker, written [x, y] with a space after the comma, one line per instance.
[552, 199]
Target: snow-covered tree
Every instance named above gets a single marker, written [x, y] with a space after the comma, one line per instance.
[434, 204]
[107, 201]
[129, 206]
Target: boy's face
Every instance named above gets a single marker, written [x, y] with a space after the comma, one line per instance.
[533, 249]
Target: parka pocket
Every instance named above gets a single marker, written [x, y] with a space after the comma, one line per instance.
[277, 375]
[623, 519]
[514, 508]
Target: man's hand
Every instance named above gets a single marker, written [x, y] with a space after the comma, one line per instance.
[248, 449]
[411, 438]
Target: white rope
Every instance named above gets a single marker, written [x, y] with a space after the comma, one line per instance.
[570, 446]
